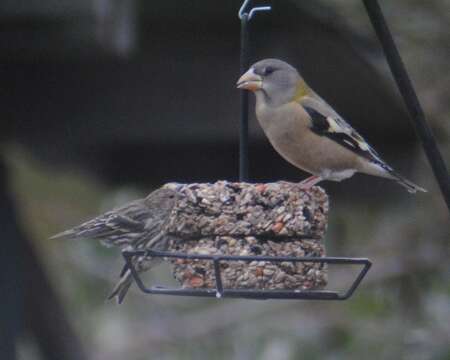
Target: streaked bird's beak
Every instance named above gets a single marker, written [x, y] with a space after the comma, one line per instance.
[250, 81]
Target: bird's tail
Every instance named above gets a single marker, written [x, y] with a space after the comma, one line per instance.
[68, 234]
[408, 185]
[122, 287]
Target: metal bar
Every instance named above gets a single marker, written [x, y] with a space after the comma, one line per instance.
[243, 9]
[218, 276]
[243, 131]
[248, 294]
[245, 15]
[351, 290]
[220, 292]
[169, 254]
[406, 88]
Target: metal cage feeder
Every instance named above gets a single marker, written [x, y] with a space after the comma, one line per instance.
[220, 292]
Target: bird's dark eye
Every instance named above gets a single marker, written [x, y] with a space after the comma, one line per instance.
[269, 70]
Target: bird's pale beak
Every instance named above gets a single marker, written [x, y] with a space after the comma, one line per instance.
[250, 81]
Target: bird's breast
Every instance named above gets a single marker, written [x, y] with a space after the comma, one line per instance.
[288, 130]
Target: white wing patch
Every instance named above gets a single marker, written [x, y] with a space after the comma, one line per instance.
[333, 125]
[335, 128]
[338, 125]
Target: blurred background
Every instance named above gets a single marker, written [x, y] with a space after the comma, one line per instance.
[105, 100]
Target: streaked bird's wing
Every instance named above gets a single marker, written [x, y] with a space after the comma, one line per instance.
[119, 226]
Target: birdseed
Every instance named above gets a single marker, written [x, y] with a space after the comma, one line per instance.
[226, 218]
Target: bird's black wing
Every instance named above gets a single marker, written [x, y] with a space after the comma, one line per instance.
[336, 129]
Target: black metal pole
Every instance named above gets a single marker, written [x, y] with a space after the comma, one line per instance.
[406, 88]
[243, 133]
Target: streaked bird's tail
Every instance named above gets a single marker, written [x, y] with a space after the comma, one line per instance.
[68, 234]
[122, 287]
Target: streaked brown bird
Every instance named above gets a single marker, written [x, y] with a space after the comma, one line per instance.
[306, 131]
[138, 225]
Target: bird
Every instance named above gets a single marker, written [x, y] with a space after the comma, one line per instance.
[308, 132]
[137, 225]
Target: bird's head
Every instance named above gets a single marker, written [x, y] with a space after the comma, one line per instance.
[163, 199]
[272, 80]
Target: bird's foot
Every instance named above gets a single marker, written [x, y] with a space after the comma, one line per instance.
[309, 182]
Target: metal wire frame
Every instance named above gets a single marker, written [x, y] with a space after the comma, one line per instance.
[220, 292]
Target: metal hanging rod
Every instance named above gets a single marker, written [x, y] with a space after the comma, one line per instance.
[242, 13]
[245, 14]
[410, 98]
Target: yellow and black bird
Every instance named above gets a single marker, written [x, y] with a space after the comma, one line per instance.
[306, 131]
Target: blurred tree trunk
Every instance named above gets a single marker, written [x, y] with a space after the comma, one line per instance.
[11, 274]
[28, 301]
